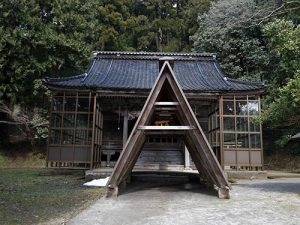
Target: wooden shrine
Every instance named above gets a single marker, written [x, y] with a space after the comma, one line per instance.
[93, 114]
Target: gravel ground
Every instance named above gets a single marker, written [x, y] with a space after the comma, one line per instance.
[275, 201]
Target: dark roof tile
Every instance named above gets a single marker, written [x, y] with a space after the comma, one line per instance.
[117, 70]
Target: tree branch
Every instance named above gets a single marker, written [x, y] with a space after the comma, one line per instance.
[277, 12]
[9, 122]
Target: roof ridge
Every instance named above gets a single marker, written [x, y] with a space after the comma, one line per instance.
[143, 53]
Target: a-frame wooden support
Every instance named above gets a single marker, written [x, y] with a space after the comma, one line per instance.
[194, 138]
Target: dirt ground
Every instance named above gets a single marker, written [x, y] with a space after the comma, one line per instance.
[273, 201]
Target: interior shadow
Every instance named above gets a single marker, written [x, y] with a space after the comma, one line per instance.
[167, 182]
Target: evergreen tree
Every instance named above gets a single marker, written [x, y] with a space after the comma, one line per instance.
[229, 29]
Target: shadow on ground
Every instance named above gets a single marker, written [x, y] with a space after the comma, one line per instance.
[270, 186]
[167, 183]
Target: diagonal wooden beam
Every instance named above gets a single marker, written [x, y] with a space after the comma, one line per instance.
[198, 145]
[128, 153]
[125, 162]
[215, 168]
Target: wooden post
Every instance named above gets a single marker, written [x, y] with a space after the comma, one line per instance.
[221, 135]
[125, 127]
[94, 128]
[49, 130]
[187, 164]
[261, 137]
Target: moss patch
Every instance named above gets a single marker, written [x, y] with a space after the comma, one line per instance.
[27, 198]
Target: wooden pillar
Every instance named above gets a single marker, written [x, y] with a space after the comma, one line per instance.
[93, 126]
[221, 134]
[187, 164]
[125, 127]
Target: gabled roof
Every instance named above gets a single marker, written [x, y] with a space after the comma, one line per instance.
[195, 72]
[167, 95]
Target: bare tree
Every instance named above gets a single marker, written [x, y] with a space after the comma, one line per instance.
[29, 122]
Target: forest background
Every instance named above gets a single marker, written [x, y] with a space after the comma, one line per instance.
[254, 40]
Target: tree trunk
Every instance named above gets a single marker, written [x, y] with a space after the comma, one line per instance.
[159, 40]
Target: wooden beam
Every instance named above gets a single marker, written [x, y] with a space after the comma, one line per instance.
[187, 164]
[125, 127]
[166, 103]
[214, 170]
[197, 158]
[202, 159]
[121, 165]
[165, 108]
[166, 128]
[135, 141]
[165, 114]
[165, 132]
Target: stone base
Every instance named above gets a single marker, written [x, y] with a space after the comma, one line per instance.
[112, 192]
[246, 174]
[223, 193]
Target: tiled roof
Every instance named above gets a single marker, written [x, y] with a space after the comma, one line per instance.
[138, 71]
[244, 85]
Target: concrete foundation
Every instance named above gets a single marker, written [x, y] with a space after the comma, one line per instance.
[247, 175]
[105, 172]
